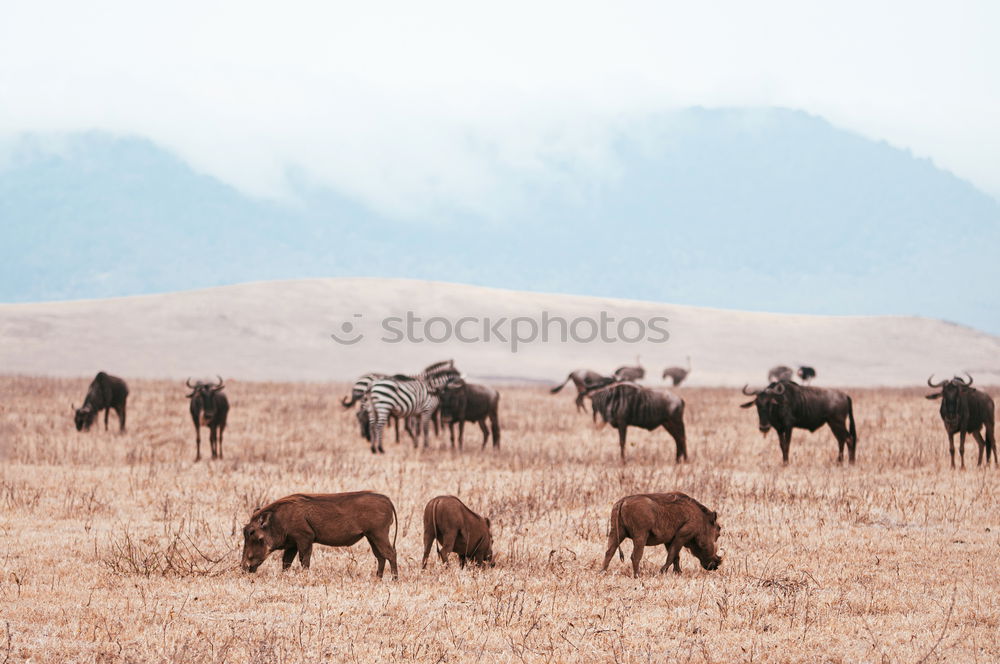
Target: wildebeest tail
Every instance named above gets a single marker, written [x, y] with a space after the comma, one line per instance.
[850, 417]
[561, 385]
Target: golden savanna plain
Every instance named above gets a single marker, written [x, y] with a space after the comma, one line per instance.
[121, 548]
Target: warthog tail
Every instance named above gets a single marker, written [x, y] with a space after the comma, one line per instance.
[616, 515]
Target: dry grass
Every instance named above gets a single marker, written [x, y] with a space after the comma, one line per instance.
[120, 548]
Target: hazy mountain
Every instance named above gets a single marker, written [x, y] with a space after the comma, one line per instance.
[757, 209]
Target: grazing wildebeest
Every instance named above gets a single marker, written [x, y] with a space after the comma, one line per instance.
[627, 373]
[294, 523]
[105, 393]
[786, 405]
[674, 520]
[583, 379]
[209, 407]
[780, 373]
[626, 404]
[463, 402]
[964, 409]
[806, 373]
[458, 529]
[678, 374]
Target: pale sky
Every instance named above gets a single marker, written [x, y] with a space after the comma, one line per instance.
[406, 105]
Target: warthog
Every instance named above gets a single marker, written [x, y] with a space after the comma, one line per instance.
[674, 520]
[458, 529]
[107, 393]
[295, 522]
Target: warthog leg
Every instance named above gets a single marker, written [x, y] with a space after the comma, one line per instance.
[288, 557]
[638, 544]
[673, 556]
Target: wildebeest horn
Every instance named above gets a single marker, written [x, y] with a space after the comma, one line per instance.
[962, 381]
[220, 385]
[779, 388]
[930, 382]
[188, 383]
[751, 393]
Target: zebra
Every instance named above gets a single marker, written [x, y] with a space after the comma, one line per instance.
[361, 386]
[400, 396]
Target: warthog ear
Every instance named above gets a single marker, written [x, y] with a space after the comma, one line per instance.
[489, 525]
[748, 404]
[714, 515]
[936, 395]
[265, 520]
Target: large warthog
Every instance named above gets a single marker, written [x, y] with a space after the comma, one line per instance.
[294, 523]
[674, 520]
[457, 529]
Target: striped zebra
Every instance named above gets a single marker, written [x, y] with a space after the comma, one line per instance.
[361, 386]
[400, 396]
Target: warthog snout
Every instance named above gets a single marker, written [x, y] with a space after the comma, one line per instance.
[713, 563]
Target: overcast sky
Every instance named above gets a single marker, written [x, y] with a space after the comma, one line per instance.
[407, 104]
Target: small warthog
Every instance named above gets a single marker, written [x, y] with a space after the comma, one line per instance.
[295, 522]
[458, 529]
[674, 520]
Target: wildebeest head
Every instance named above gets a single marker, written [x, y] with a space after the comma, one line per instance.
[705, 544]
[258, 541]
[451, 394]
[203, 396]
[768, 401]
[84, 417]
[951, 392]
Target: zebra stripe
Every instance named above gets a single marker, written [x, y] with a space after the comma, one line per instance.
[400, 398]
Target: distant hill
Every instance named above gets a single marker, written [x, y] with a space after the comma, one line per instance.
[282, 331]
[769, 210]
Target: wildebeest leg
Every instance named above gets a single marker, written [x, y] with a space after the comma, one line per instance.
[676, 431]
[288, 557]
[785, 441]
[212, 440]
[495, 426]
[951, 447]
[841, 434]
[451, 433]
[961, 448]
[121, 418]
[425, 426]
[486, 432]
[396, 423]
[197, 440]
[638, 544]
[982, 446]
[222, 429]
[107, 411]
[461, 434]
[621, 440]
[991, 444]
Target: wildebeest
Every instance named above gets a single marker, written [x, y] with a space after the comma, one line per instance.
[209, 407]
[678, 374]
[806, 373]
[626, 404]
[780, 373]
[583, 379]
[674, 520]
[294, 523]
[463, 402]
[457, 529]
[105, 393]
[626, 373]
[786, 405]
[964, 409]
